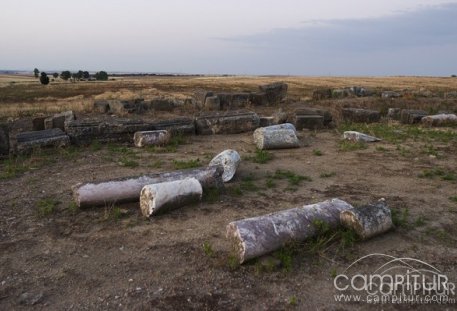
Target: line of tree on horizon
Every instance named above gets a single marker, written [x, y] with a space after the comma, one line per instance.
[68, 75]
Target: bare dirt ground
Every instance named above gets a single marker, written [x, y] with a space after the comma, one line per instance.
[54, 256]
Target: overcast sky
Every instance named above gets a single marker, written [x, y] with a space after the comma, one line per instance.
[299, 37]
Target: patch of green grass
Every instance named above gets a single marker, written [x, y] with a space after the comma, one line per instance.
[346, 145]
[156, 164]
[293, 301]
[453, 199]
[247, 184]
[211, 195]
[400, 217]
[262, 156]
[286, 255]
[180, 164]
[232, 262]
[171, 147]
[381, 149]
[95, 145]
[270, 183]
[12, 167]
[333, 273]
[292, 178]
[420, 221]
[127, 162]
[441, 235]
[208, 249]
[327, 175]
[430, 150]
[438, 172]
[73, 207]
[317, 152]
[404, 152]
[235, 191]
[46, 207]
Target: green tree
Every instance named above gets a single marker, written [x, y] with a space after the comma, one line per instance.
[65, 75]
[36, 72]
[101, 75]
[55, 75]
[44, 79]
[79, 75]
[86, 75]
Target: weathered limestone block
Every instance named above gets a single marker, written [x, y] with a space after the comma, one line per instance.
[341, 93]
[311, 122]
[328, 118]
[163, 104]
[275, 93]
[4, 139]
[225, 100]
[200, 97]
[288, 126]
[183, 126]
[27, 141]
[212, 103]
[266, 138]
[443, 119]
[58, 120]
[38, 123]
[101, 106]
[258, 99]
[124, 190]
[240, 100]
[122, 107]
[394, 113]
[361, 115]
[84, 131]
[230, 122]
[359, 137]
[390, 94]
[360, 91]
[411, 116]
[280, 117]
[369, 220]
[151, 138]
[266, 121]
[322, 94]
[257, 236]
[162, 197]
[229, 159]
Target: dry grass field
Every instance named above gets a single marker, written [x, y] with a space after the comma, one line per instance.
[55, 256]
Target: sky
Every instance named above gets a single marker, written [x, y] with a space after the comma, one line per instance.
[247, 37]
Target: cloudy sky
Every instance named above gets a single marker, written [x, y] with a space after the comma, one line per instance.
[297, 37]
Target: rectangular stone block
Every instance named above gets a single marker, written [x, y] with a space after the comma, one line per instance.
[27, 141]
[4, 139]
[84, 131]
[230, 122]
[311, 122]
[359, 115]
[411, 116]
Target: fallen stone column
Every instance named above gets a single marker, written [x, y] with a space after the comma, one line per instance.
[287, 126]
[440, 120]
[368, 221]
[151, 138]
[280, 138]
[359, 137]
[257, 236]
[128, 189]
[229, 159]
[162, 197]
